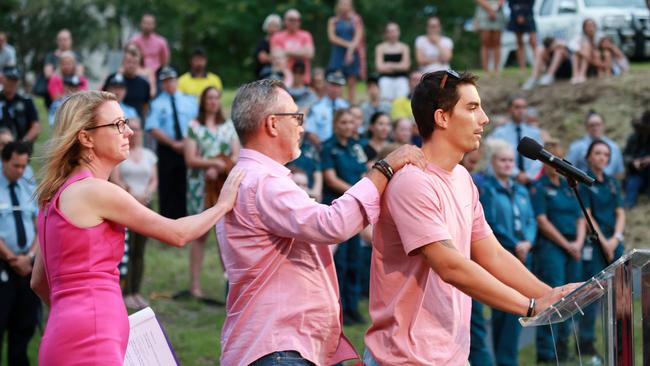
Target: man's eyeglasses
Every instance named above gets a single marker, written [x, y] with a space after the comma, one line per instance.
[300, 117]
[448, 73]
[120, 124]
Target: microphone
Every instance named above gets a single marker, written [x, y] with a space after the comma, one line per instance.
[532, 150]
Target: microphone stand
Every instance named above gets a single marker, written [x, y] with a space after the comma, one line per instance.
[593, 235]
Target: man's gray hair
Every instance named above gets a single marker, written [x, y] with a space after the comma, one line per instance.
[253, 102]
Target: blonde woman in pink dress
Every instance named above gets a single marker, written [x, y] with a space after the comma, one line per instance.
[81, 232]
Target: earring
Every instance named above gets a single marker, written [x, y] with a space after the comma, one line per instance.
[89, 158]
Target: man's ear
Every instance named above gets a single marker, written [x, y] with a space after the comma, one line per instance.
[270, 125]
[85, 139]
[441, 118]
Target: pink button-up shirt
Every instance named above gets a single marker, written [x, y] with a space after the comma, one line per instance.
[283, 289]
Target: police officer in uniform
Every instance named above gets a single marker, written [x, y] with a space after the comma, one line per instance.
[509, 212]
[19, 306]
[344, 162]
[168, 119]
[604, 202]
[17, 112]
[557, 254]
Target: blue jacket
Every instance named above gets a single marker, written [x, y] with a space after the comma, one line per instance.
[509, 212]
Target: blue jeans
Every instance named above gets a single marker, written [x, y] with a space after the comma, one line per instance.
[369, 359]
[634, 185]
[282, 358]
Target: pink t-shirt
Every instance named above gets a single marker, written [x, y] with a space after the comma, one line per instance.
[154, 48]
[292, 41]
[417, 318]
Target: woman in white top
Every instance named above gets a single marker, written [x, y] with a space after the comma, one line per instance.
[393, 62]
[138, 175]
[433, 51]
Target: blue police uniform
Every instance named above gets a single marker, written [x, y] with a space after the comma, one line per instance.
[509, 212]
[321, 116]
[349, 162]
[171, 114]
[479, 352]
[551, 263]
[19, 306]
[309, 161]
[602, 198]
[129, 112]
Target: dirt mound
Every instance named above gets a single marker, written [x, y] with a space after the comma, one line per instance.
[562, 109]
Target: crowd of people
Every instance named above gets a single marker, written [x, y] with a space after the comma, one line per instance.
[175, 140]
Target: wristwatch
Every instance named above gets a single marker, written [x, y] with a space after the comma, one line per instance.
[619, 236]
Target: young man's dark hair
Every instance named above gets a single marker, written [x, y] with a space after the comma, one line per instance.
[437, 90]
[17, 147]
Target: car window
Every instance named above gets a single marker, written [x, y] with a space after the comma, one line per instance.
[567, 6]
[546, 8]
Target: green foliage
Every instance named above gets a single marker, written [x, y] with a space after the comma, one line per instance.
[32, 26]
[229, 30]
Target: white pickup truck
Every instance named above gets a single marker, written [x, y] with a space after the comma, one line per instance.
[627, 22]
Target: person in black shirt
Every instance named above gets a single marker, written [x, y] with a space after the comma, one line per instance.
[272, 24]
[17, 112]
[522, 22]
[138, 92]
[637, 160]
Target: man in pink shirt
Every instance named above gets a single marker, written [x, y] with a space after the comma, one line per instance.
[283, 302]
[297, 44]
[154, 47]
[433, 249]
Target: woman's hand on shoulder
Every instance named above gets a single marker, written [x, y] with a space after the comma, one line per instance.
[230, 188]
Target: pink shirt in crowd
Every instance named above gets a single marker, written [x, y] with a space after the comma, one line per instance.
[285, 40]
[154, 49]
[283, 290]
[417, 318]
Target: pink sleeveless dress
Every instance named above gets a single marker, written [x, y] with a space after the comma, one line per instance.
[88, 323]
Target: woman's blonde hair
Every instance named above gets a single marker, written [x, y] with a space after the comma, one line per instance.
[63, 150]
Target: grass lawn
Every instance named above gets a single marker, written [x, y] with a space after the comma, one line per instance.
[193, 327]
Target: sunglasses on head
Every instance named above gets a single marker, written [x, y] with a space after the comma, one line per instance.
[449, 72]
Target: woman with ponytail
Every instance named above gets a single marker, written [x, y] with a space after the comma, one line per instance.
[81, 232]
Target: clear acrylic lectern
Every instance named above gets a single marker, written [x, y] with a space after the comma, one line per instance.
[616, 284]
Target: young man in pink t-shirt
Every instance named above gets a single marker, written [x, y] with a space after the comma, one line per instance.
[295, 43]
[433, 249]
[154, 46]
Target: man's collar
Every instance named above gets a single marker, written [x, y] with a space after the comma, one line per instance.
[273, 166]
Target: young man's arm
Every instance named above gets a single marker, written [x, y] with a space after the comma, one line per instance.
[505, 267]
[475, 281]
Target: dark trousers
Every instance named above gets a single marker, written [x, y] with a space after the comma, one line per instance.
[348, 271]
[172, 183]
[137, 244]
[479, 352]
[20, 311]
[591, 268]
[556, 268]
